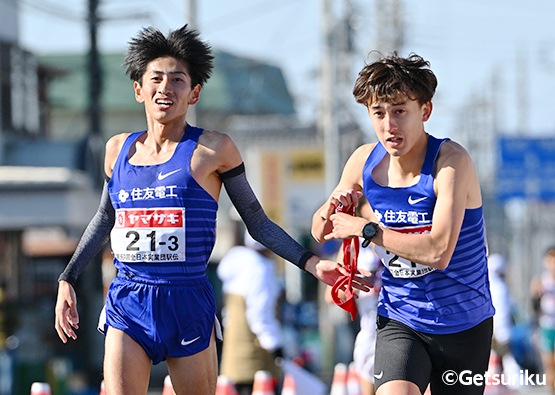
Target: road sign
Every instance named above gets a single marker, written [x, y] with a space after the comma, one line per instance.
[525, 168]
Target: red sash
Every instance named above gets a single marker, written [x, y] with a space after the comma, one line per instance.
[350, 264]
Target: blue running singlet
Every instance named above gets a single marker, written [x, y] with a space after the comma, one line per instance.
[165, 225]
[424, 298]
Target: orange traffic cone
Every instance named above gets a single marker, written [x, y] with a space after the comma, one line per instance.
[40, 389]
[495, 387]
[225, 386]
[168, 388]
[353, 383]
[288, 385]
[494, 365]
[263, 383]
[339, 384]
[102, 388]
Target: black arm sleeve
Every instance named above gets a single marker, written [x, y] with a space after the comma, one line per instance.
[260, 227]
[94, 238]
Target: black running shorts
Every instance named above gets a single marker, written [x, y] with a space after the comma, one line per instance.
[452, 364]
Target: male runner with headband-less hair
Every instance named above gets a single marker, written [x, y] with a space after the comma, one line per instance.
[434, 311]
[159, 208]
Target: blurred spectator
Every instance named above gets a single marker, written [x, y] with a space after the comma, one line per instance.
[543, 297]
[503, 321]
[252, 332]
[367, 304]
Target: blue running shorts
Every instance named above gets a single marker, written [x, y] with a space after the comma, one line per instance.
[167, 319]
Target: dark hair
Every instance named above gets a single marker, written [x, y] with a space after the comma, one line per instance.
[183, 44]
[393, 76]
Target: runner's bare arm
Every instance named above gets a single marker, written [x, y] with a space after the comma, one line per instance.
[347, 192]
[457, 189]
[113, 147]
[215, 154]
[67, 318]
[92, 241]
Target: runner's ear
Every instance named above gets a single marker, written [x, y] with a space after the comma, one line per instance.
[426, 111]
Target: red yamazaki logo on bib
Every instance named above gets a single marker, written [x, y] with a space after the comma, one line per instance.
[152, 235]
[149, 218]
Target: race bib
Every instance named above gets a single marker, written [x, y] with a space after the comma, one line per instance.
[401, 267]
[154, 235]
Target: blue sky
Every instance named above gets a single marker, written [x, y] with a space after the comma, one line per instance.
[473, 45]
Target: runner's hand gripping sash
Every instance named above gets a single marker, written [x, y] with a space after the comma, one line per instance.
[350, 264]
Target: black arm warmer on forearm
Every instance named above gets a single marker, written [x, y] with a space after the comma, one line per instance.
[94, 238]
[260, 227]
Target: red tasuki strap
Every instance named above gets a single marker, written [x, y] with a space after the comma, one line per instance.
[350, 264]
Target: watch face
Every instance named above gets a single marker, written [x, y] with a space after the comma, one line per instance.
[369, 230]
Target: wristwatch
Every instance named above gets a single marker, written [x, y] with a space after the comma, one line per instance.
[368, 232]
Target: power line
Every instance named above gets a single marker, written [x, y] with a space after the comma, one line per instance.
[55, 10]
[68, 14]
[250, 12]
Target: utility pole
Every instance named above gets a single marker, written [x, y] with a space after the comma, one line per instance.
[398, 24]
[522, 90]
[390, 26]
[93, 161]
[327, 121]
[95, 71]
[192, 22]
[192, 13]
[91, 283]
[343, 49]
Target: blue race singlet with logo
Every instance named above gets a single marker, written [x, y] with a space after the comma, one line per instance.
[421, 297]
[165, 225]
